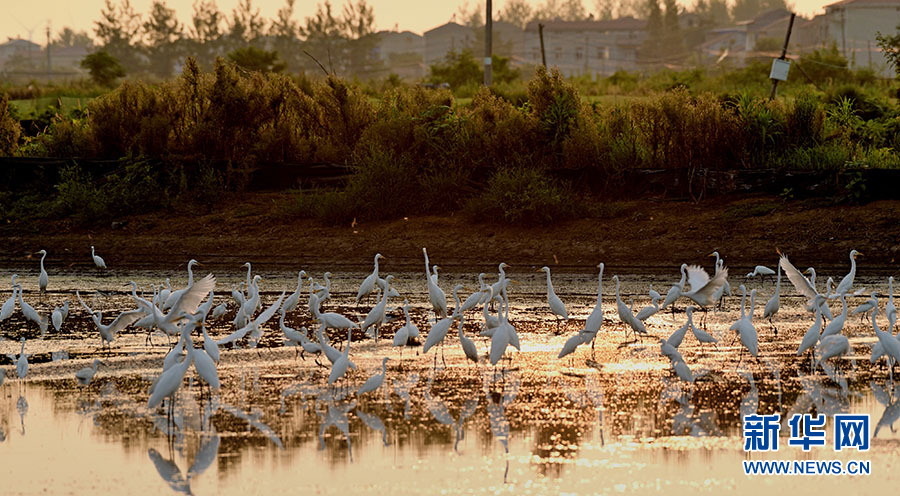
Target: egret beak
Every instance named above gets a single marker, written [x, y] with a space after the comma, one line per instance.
[858, 254]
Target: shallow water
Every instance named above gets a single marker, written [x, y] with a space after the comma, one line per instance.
[617, 421]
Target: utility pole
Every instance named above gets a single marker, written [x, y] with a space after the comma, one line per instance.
[787, 39]
[488, 30]
[543, 55]
[48, 52]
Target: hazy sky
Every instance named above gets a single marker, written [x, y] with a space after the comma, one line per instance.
[415, 15]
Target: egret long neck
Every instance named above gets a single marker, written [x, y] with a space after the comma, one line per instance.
[600, 286]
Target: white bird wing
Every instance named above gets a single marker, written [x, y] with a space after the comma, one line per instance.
[125, 319]
[696, 277]
[236, 335]
[269, 312]
[706, 292]
[192, 297]
[800, 282]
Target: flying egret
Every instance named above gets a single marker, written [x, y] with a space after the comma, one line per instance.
[846, 283]
[773, 304]
[42, 279]
[97, 260]
[123, 320]
[556, 305]
[375, 381]
[368, 284]
[85, 375]
[435, 293]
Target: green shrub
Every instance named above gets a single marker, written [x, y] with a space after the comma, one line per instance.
[10, 130]
[522, 196]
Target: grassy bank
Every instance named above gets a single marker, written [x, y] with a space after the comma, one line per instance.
[497, 157]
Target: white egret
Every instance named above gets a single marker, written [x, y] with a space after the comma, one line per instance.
[556, 305]
[339, 367]
[502, 336]
[402, 336]
[174, 295]
[219, 311]
[595, 319]
[375, 381]
[324, 292]
[168, 383]
[651, 309]
[123, 320]
[868, 307]
[889, 344]
[675, 291]
[846, 283]
[467, 344]
[811, 337]
[31, 314]
[97, 260]
[21, 360]
[682, 371]
[744, 326]
[627, 316]
[205, 367]
[572, 344]
[837, 324]
[761, 270]
[209, 344]
[85, 375]
[439, 330]
[291, 302]
[702, 287]
[376, 316]
[890, 311]
[331, 353]
[254, 327]
[9, 306]
[834, 345]
[490, 321]
[368, 284]
[476, 297]
[435, 293]
[773, 304]
[42, 278]
[330, 319]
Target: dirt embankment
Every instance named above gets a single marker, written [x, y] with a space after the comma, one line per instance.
[640, 235]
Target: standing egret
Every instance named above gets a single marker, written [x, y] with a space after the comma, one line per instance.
[890, 345]
[627, 316]
[556, 305]
[209, 344]
[9, 306]
[675, 291]
[42, 279]
[837, 324]
[21, 360]
[438, 331]
[408, 331]
[377, 315]
[330, 319]
[773, 304]
[85, 375]
[467, 344]
[31, 314]
[846, 283]
[169, 382]
[339, 368]
[368, 284]
[890, 311]
[498, 287]
[205, 367]
[435, 293]
[97, 260]
[291, 302]
[811, 337]
[744, 326]
[595, 319]
[650, 309]
[503, 334]
[324, 292]
[835, 345]
[476, 297]
[375, 381]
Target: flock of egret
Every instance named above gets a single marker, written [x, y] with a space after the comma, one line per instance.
[182, 312]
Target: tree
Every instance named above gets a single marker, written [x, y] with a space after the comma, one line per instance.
[103, 68]
[162, 32]
[344, 39]
[284, 29]
[67, 38]
[470, 17]
[566, 10]
[255, 59]
[118, 31]
[673, 40]
[205, 34]
[246, 24]
[516, 12]
[606, 9]
[890, 46]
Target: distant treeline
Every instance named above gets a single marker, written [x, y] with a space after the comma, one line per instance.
[543, 156]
